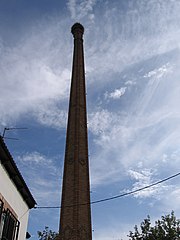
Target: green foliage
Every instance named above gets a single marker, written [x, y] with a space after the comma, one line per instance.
[168, 228]
[46, 234]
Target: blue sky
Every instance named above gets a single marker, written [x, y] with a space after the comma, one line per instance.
[132, 57]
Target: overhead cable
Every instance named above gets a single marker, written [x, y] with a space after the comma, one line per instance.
[116, 196]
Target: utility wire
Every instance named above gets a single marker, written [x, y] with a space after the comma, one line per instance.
[116, 196]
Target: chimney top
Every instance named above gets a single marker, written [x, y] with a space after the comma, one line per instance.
[77, 28]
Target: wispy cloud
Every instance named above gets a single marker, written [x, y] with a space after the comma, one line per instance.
[81, 8]
[143, 133]
[100, 121]
[171, 199]
[137, 46]
[40, 173]
[129, 82]
[124, 40]
[142, 179]
[51, 115]
[160, 72]
[116, 94]
[37, 70]
[30, 78]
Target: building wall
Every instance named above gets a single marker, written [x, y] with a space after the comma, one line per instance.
[10, 195]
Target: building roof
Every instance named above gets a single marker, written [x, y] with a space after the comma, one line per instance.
[15, 175]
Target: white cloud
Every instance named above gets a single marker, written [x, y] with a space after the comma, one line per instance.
[51, 115]
[143, 135]
[31, 82]
[81, 9]
[33, 158]
[36, 160]
[171, 199]
[72, 8]
[127, 139]
[129, 37]
[100, 121]
[116, 94]
[160, 72]
[42, 175]
[37, 70]
[35, 76]
[142, 179]
[129, 82]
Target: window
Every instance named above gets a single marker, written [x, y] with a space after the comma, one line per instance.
[9, 225]
[1, 208]
[1, 218]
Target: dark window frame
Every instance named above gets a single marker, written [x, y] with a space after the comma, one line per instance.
[11, 225]
[1, 209]
[1, 217]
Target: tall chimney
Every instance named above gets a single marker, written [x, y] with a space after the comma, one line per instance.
[75, 218]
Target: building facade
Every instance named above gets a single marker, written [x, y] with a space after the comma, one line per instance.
[15, 198]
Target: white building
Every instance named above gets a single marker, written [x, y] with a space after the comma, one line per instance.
[15, 198]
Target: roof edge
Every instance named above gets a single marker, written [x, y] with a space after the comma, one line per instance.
[8, 163]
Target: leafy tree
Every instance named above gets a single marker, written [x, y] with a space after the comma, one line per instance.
[168, 228]
[46, 234]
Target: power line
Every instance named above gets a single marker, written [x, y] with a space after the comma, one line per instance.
[118, 196]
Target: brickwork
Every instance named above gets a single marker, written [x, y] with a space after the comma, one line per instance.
[75, 220]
